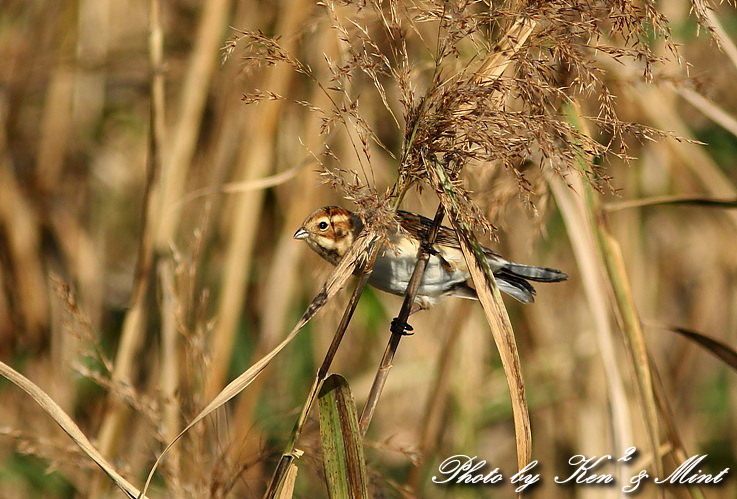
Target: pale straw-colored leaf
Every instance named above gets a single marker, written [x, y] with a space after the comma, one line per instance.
[286, 489]
[68, 425]
[495, 65]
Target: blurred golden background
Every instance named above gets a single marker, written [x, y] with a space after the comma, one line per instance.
[146, 258]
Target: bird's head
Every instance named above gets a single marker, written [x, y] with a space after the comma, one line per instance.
[330, 231]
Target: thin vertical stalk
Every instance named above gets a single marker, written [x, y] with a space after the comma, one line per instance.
[169, 375]
[622, 300]
[192, 100]
[579, 230]
[391, 348]
[254, 161]
[132, 333]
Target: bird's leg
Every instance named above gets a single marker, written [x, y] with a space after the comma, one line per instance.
[427, 248]
[401, 327]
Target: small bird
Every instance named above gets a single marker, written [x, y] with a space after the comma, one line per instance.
[331, 230]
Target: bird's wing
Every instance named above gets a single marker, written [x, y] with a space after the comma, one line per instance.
[418, 226]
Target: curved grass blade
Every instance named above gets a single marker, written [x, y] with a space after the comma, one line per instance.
[68, 425]
[342, 448]
[491, 301]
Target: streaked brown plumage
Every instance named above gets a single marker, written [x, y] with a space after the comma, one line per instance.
[331, 230]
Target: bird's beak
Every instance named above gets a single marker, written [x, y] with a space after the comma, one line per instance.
[301, 233]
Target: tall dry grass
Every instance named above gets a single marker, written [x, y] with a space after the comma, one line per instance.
[149, 194]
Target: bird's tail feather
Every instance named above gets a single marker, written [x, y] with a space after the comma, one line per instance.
[515, 286]
[512, 280]
[539, 274]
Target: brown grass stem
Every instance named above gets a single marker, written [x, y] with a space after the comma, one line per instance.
[385, 366]
[678, 449]
[170, 370]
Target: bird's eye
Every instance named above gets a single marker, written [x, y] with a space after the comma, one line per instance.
[322, 225]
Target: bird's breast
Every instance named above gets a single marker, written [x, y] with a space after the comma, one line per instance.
[396, 262]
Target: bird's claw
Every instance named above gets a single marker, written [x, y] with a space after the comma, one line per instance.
[400, 327]
[427, 248]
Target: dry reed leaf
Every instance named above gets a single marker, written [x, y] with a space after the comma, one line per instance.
[286, 491]
[337, 279]
[710, 109]
[719, 349]
[634, 338]
[494, 66]
[671, 430]
[496, 314]
[69, 426]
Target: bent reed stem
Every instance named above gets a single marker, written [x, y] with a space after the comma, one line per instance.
[290, 453]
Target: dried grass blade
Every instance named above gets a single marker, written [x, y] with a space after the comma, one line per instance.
[69, 426]
[717, 348]
[710, 109]
[496, 314]
[332, 285]
[700, 201]
[497, 63]
[634, 338]
[342, 447]
[680, 454]
[624, 303]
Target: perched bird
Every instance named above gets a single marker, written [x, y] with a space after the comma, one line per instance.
[331, 230]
